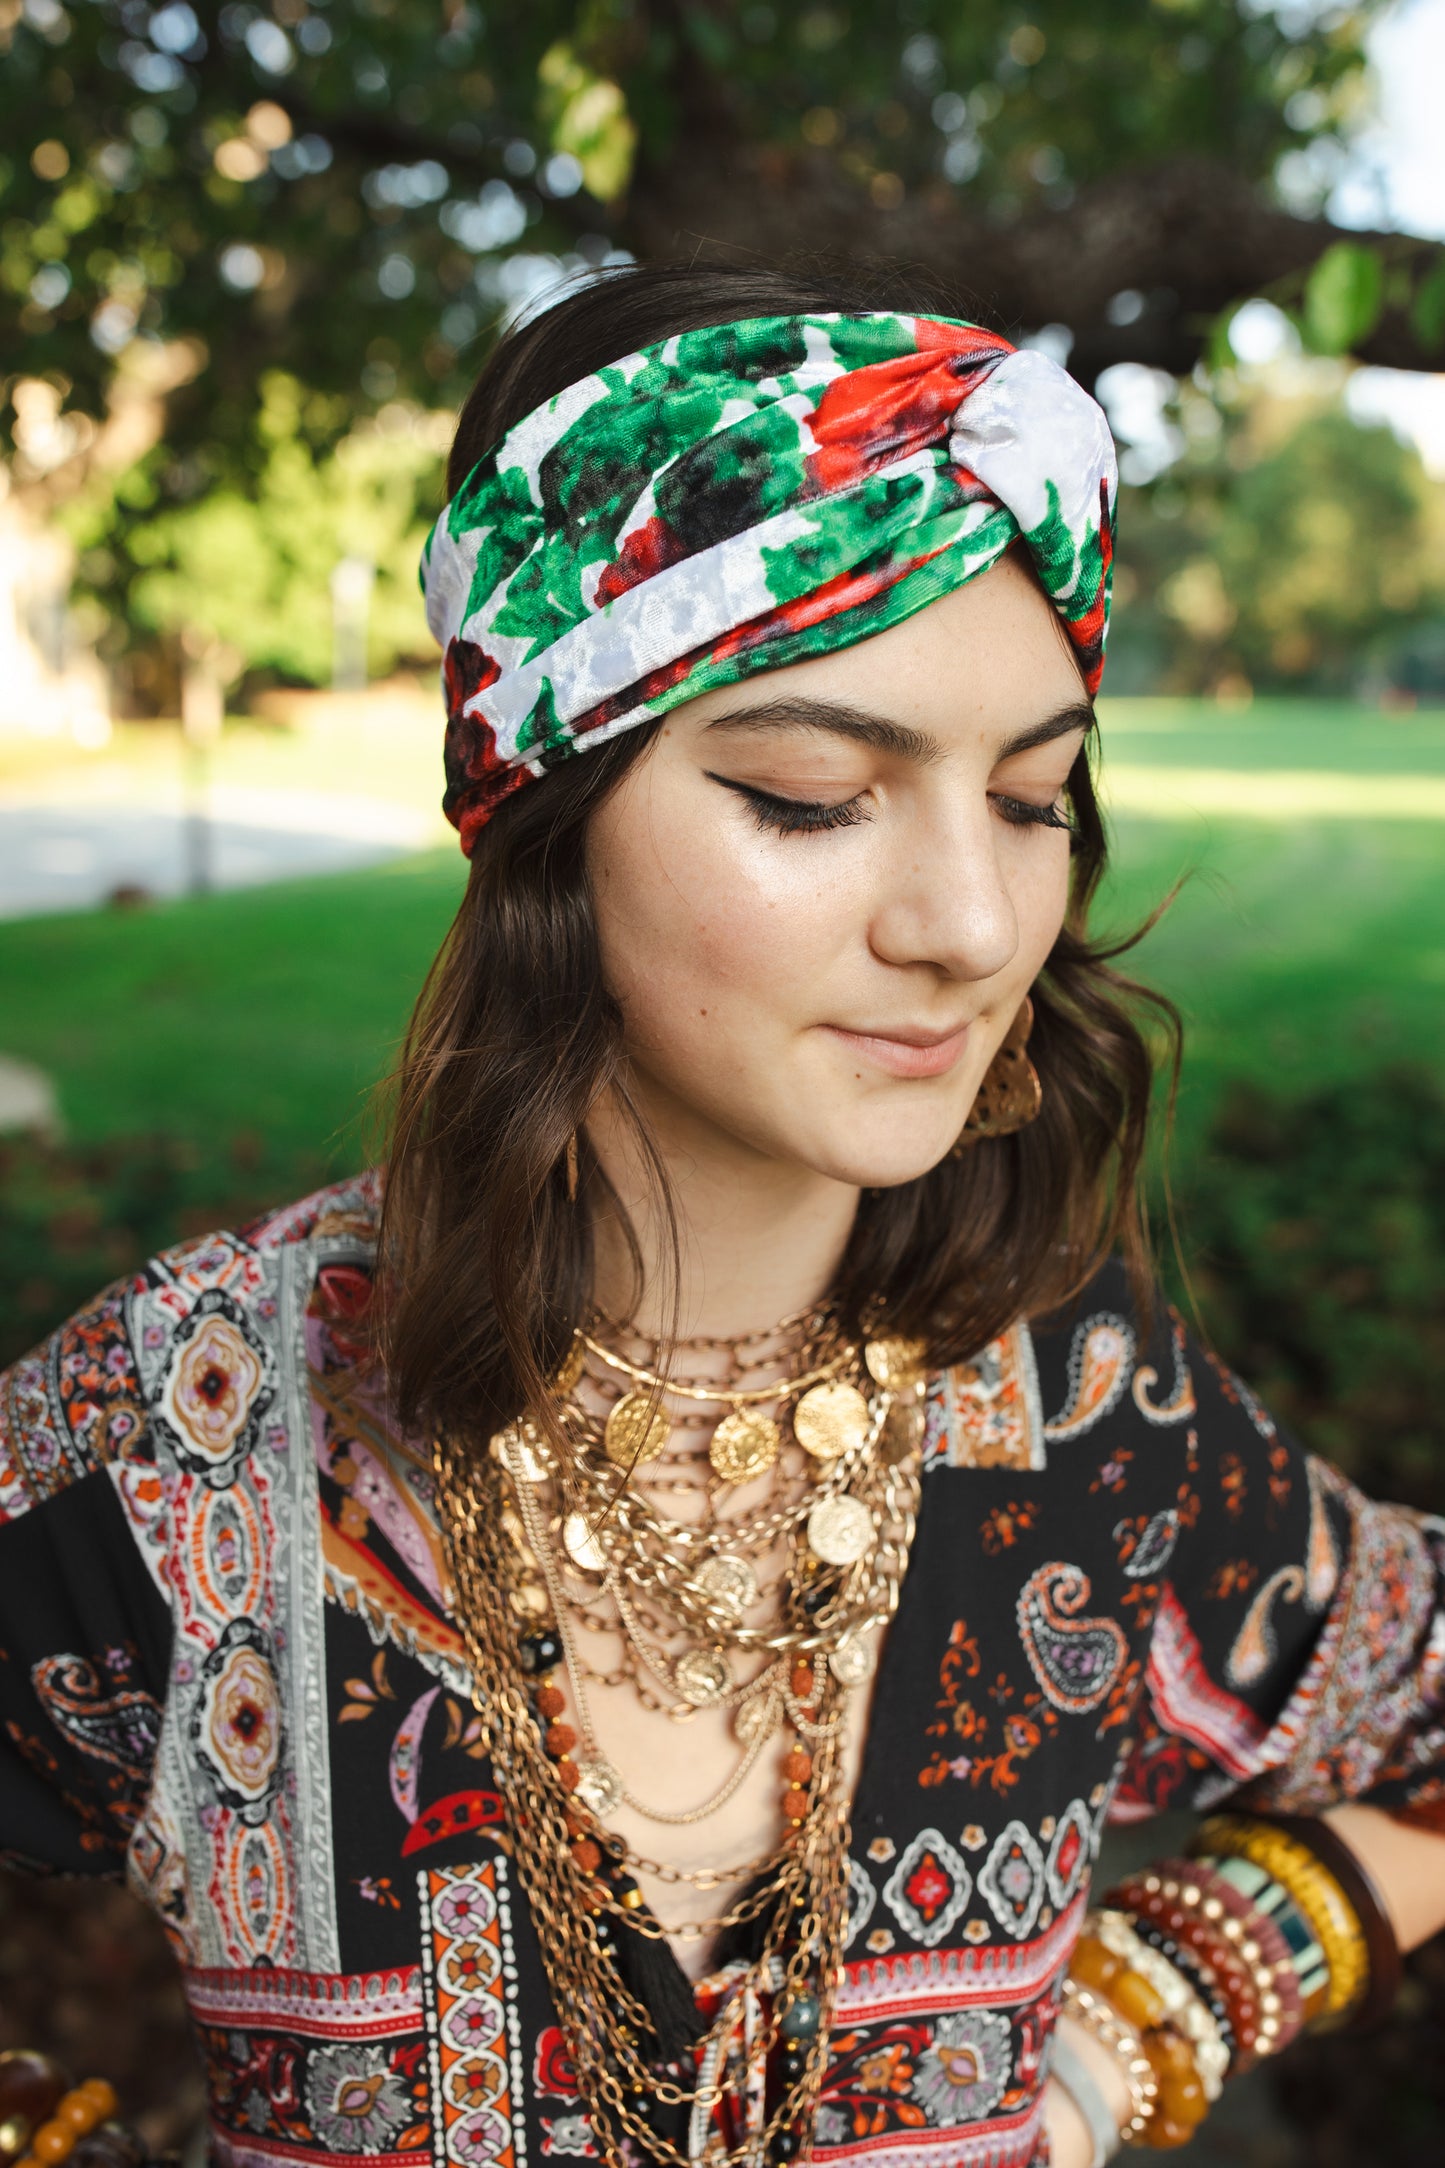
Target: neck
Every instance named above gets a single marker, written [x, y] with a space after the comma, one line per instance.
[759, 1239]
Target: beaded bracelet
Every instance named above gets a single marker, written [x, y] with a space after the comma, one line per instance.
[1240, 1951]
[1181, 2102]
[1315, 1893]
[1270, 1900]
[1183, 2008]
[43, 2121]
[1098, 2017]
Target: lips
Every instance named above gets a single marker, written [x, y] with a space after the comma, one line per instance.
[906, 1052]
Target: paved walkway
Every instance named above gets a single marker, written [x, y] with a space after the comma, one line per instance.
[63, 858]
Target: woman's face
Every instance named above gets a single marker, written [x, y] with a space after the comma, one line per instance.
[823, 893]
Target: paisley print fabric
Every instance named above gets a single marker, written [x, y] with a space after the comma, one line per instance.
[739, 498]
[228, 1673]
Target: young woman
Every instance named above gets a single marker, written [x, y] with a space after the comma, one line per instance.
[625, 1648]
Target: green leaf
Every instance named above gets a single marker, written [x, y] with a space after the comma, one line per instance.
[1427, 312]
[1343, 297]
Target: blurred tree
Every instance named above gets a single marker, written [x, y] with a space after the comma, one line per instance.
[197, 203]
[347, 192]
[1288, 545]
[247, 570]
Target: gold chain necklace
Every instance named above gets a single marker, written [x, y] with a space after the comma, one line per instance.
[584, 1903]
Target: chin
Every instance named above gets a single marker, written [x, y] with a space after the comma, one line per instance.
[906, 1159]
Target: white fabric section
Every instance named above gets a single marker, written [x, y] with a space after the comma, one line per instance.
[1028, 424]
[509, 650]
[735, 410]
[526, 446]
[451, 566]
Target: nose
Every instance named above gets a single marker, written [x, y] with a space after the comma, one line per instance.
[943, 899]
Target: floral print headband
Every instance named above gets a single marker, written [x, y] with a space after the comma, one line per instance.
[743, 497]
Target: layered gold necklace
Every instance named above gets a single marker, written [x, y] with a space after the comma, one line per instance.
[771, 1614]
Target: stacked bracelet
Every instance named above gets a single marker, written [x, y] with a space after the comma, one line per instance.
[1315, 1895]
[1239, 1954]
[1355, 1882]
[1184, 2009]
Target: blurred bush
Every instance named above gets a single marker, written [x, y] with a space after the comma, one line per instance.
[1313, 1228]
[1289, 546]
[75, 1217]
[86, 1975]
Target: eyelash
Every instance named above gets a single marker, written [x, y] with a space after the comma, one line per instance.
[806, 816]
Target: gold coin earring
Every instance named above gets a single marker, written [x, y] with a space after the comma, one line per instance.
[1010, 1094]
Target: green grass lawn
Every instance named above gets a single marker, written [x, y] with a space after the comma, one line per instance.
[1301, 947]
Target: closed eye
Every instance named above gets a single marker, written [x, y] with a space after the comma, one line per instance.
[794, 816]
[1019, 813]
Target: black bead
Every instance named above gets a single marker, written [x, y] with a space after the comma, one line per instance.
[814, 1597]
[802, 2018]
[793, 2063]
[540, 1652]
[604, 1930]
[623, 1885]
[785, 2145]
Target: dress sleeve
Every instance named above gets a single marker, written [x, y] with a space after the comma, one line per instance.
[85, 1624]
[1297, 1656]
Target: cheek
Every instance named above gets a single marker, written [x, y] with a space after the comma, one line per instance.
[696, 914]
[1041, 896]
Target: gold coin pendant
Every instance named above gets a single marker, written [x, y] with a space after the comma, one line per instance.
[893, 1362]
[755, 1718]
[852, 1661]
[635, 1432]
[728, 1583]
[840, 1530]
[831, 1419]
[581, 1545]
[599, 1786]
[744, 1444]
[702, 1676]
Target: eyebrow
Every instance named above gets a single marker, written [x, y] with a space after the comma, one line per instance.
[882, 734]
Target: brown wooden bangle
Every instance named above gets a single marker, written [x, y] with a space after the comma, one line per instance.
[1363, 1897]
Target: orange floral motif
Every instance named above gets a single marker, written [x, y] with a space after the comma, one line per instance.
[364, 1695]
[1001, 1529]
[1236, 1577]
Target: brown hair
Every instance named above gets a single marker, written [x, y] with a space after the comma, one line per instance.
[487, 1262]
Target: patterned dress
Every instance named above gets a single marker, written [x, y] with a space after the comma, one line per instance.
[227, 1672]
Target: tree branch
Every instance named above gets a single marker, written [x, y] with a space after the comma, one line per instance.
[1190, 237]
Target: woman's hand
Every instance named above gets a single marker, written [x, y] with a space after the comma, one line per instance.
[1070, 2145]
[1071, 2142]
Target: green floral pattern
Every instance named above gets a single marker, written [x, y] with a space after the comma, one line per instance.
[743, 497]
